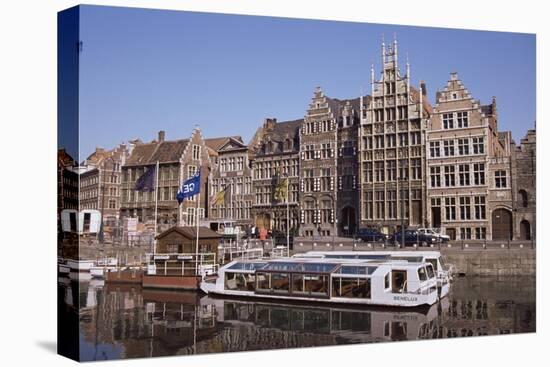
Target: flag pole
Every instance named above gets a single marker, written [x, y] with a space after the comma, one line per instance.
[287, 218]
[156, 206]
[197, 234]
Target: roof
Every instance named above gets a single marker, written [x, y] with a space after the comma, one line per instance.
[190, 232]
[216, 143]
[149, 153]
[427, 107]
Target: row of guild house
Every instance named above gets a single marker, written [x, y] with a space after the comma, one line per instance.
[382, 160]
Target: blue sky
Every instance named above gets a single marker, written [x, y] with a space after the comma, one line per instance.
[148, 70]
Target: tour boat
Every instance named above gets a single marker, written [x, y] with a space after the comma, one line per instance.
[99, 271]
[443, 270]
[397, 283]
[80, 265]
[103, 266]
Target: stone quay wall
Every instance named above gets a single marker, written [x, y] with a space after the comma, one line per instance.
[493, 262]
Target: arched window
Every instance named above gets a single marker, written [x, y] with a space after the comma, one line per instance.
[522, 196]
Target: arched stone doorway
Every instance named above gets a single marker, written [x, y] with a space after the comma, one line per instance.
[347, 222]
[502, 224]
[524, 230]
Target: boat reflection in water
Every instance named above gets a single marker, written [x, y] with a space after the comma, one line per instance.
[126, 321]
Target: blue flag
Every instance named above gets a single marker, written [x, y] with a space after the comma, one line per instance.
[146, 182]
[190, 188]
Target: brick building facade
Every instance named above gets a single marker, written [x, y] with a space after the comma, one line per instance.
[233, 170]
[328, 166]
[100, 180]
[275, 148]
[468, 167]
[178, 160]
[391, 149]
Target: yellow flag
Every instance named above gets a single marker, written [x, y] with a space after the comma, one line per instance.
[219, 198]
[281, 190]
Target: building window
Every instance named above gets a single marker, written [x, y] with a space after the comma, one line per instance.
[450, 209]
[466, 233]
[392, 204]
[478, 145]
[368, 205]
[196, 152]
[368, 171]
[463, 146]
[403, 169]
[379, 171]
[416, 169]
[435, 176]
[464, 174]
[448, 121]
[500, 179]
[481, 233]
[462, 119]
[435, 149]
[415, 138]
[390, 139]
[465, 212]
[450, 176]
[191, 171]
[379, 204]
[479, 173]
[523, 198]
[391, 170]
[479, 207]
[448, 148]
[403, 139]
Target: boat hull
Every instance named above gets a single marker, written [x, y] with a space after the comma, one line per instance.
[404, 300]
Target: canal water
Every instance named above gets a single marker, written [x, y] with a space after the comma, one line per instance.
[123, 321]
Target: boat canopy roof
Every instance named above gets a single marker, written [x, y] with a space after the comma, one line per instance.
[322, 265]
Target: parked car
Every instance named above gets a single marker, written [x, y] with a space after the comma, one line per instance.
[440, 237]
[371, 235]
[415, 237]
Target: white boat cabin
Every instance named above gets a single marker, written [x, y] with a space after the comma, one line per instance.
[442, 270]
[351, 281]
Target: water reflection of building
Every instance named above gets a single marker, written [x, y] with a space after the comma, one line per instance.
[125, 321]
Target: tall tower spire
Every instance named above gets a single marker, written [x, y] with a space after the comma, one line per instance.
[395, 48]
[383, 50]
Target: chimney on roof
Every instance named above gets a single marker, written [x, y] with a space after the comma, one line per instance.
[423, 88]
[162, 134]
[269, 123]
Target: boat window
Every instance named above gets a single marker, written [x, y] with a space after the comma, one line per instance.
[310, 284]
[280, 282]
[433, 262]
[351, 287]
[263, 281]
[239, 281]
[422, 274]
[443, 266]
[399, 281]
[301, 267]
[387, 281]
[246, 266]
[430, 271]
[360, 270]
